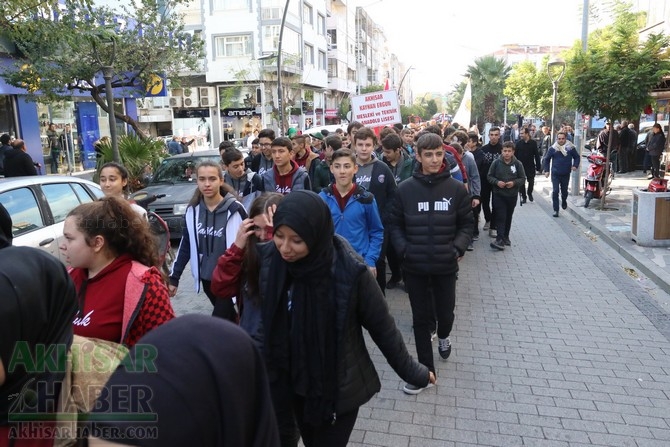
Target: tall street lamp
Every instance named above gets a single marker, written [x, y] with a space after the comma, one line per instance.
[278, 55]
[411, 67]
[108, 38]
[279, 89]
[555, 70]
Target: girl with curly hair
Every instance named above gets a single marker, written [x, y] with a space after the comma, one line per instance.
[112, 255]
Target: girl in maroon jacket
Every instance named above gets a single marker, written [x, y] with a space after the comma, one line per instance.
[111, 252]
[236, 272]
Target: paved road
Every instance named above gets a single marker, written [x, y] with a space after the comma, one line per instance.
[555, 344]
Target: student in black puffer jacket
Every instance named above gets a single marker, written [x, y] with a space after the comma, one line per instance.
[431, 227]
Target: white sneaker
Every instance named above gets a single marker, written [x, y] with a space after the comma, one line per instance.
[413, 389]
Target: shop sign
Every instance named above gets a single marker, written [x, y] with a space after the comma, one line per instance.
[239, 112]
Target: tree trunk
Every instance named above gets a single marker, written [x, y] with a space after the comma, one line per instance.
[607, 167]
[125, 118]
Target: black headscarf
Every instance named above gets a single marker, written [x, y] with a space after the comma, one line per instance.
[208, 389]
[5, 228]
[37, 305]
[313, 347]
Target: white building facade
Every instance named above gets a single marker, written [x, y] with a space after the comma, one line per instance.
[330, 50]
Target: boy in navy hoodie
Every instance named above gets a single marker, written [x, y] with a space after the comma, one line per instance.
[285, 176]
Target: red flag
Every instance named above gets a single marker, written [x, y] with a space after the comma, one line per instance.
[386, 86]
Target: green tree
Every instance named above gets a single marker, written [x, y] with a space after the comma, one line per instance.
[410, 111]
[530, 91]
[431, 108]
[59, 50]
[372, 88]
[345, 107]
[488, 75]
[455, 97]
[614, 77]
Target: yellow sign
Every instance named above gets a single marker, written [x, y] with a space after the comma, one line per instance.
[155, 85]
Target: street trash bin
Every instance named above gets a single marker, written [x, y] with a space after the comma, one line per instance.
[651, 218]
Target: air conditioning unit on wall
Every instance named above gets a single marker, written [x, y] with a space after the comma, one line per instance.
[207, 96]
[191, 97]
[176, 101]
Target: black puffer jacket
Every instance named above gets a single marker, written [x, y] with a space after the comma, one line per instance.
[431, 223]
[360, 304]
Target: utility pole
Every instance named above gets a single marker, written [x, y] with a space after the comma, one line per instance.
[579, 141]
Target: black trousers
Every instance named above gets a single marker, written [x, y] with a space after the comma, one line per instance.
[325, 435]
[430, 308]
[486, 202]
[381, 264]
[529, 190]
[283, 404]
[394, 262]
[223, 308]
[655, 165]
[504, 206]
[477, 211]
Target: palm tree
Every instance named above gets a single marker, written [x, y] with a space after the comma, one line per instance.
[488, 76]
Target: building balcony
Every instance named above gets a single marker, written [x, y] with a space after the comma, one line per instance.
[290, 64]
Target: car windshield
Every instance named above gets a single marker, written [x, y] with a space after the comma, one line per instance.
[180, 169]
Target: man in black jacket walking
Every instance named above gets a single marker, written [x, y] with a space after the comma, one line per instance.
[431, 226]
[491, 152]
[528, 154]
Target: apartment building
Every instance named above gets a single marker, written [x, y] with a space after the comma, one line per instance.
[329, 51]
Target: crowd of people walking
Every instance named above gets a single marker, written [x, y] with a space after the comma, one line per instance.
[291, 244]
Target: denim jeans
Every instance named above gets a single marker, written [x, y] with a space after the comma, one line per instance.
[559, 181]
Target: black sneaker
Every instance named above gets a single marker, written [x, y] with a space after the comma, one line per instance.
[475, 237]
[444, 347]
[392, 284]
[530, 196]
[507, 242]
[564, 205]
[471, 247]
[555, 214]
[498, 244]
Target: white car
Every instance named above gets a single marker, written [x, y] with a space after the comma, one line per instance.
[38, 206]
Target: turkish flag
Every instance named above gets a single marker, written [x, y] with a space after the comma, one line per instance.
[386, 86]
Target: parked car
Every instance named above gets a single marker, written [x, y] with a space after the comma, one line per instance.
[39, 205]
[175, 177]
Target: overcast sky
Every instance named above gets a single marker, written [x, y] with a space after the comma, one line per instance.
[440, 38]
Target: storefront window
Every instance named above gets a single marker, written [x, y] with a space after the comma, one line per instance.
[7, 122]
[240, 111]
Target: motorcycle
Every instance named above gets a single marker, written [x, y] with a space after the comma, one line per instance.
[594, 182]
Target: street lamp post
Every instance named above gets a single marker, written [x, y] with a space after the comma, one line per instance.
[279, 89]
[403, 79]
[107, 67]
[555, 70]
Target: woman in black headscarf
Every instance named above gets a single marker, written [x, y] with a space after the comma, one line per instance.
[318, 294]
[37, 305]
[204, 381]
